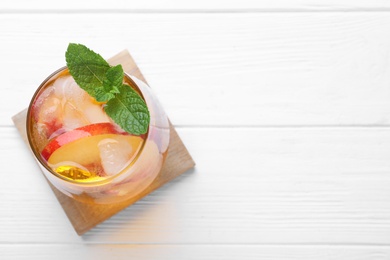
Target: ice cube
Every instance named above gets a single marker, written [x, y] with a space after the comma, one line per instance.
[66, 87]
[77, 95]
[48, 115]
[72, 117]
[78, 107]
[95, 114]
[114, 155]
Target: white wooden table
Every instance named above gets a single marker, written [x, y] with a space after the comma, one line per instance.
[284, 105]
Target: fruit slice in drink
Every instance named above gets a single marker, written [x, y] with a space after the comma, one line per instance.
[92, 152]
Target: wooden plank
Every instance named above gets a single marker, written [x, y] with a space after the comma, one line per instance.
[200, 6]
[168, 252]
[286, 69]
[251, 185]
[84, 216]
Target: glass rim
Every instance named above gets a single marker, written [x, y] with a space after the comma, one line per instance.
[47, 167]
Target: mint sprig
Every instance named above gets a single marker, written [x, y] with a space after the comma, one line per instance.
[105, 83]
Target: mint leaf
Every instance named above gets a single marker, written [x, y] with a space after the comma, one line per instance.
[87, 68]
[129, 111]
[103, 96]
[112, 82]
[114, 79]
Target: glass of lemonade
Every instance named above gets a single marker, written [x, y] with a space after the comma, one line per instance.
[86, 155]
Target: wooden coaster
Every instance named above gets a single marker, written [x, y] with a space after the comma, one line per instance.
[85, 216]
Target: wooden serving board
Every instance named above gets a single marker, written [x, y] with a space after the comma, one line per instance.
[85, 216]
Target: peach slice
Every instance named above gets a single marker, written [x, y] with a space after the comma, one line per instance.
[79, 133]
[85, 151]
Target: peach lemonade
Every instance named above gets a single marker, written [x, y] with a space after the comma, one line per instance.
[98, 134]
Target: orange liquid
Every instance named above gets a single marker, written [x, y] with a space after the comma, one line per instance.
[74, 136]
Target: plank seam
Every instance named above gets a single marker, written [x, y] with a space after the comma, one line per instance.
[193, 11]
[345, 245]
